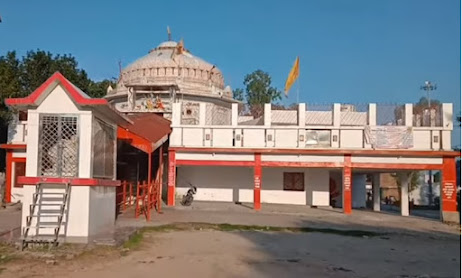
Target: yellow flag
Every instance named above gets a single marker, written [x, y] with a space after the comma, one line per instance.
[293, 75]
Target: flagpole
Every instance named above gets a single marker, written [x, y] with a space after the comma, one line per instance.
[298, 86]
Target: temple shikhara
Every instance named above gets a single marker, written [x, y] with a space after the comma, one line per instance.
[171, 122]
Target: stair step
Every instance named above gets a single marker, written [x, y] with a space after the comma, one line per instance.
[40, 238]
[50, 223]
[52, 211]
[46, 215]
[42, 205]
[54, 226]
[52, 199]
[50, 193]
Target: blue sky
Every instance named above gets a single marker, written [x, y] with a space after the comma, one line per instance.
[350, 51]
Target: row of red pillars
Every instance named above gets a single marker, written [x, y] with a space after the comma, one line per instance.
[449, 202]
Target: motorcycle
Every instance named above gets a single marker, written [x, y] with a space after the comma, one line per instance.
[189, 196]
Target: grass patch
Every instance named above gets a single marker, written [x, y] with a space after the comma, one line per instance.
[225, 227]
[134, 241]
[7, 254]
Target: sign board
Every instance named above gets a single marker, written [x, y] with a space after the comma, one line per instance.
[448, 191]
[389, 137]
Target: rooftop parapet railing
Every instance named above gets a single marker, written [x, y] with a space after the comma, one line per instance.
[319, 114]
[367, 126]
[365, 114]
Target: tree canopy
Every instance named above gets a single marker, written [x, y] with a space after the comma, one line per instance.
[258, 91]
[21, 76]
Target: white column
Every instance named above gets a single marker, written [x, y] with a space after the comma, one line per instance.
[446, 143]
[176, 113]
[267, 114]
[202, 113]
[408, 114]
[234, 114]
[372, 114]
[404, 194]
[177, 132]
[336, 114]
[301, 114]
[376, 191]
[335, 140]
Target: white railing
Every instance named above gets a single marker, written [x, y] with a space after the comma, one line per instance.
[305, 136]
[17, 132]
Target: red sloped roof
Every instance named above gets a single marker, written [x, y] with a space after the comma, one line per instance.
[150, 126]
[77, 95]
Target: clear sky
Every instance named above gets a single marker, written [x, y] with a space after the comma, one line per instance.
[353, 51]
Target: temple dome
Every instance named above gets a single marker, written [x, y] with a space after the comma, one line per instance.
[170, 63]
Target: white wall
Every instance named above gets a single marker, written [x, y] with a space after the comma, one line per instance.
[351, 139]
[102, 209]
[77, 223]
[236, 184]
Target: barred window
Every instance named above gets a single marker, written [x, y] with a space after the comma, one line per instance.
[104, 140]
[58, 146]
[294, 181]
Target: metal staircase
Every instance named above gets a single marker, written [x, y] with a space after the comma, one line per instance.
[46, 214]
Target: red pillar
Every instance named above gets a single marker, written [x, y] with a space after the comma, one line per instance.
[161, 174]
[257, 182]
[449, 188]
[171, 178]
[149, 187]
[347, 184]
[9, 175]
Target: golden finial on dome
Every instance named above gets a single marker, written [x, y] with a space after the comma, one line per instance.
[180, 47]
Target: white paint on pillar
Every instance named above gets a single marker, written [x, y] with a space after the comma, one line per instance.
[404, 194]
[372, 114]
[408, 114]
[301, 114]
[376, 191]
[234, 114]
[267, 114]
[202, 113]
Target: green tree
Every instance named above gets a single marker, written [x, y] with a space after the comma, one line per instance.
[38, 66]
[258, 91]
[413, 181]
[10, 82]
[238, 94]
[20, 77]
[99, 89]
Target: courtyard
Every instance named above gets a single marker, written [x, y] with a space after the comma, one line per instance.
[229, 240]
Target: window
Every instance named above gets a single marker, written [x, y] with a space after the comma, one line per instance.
[294, 181]
[22, 116]
[104, 140]
[19, 171]
[58, 146]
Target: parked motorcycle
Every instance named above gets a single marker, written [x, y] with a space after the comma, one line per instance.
[189, 196]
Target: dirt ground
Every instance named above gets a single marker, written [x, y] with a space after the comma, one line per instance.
[214, 253]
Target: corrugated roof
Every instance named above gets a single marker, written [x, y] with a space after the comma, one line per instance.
[150, 126]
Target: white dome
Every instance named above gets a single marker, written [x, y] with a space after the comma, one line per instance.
[167, 64]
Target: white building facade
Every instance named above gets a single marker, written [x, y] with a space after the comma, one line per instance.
[306, 157]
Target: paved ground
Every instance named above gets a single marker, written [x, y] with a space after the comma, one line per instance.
[296, 216]
[210, 253]
[405, 247]
[10, 222]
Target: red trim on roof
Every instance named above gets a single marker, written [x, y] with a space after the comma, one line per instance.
[191, 162]
[396, 166]
[71, 181]
[33, 98]
[371, 152]
[13, 146]
[134, 139]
